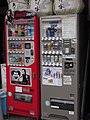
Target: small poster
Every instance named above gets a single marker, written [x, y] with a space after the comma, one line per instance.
[52, 76]
[21, 76]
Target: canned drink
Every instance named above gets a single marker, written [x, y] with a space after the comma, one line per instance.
[48, 32]
[55, 46]
[13, 46]
[59, 32]
[45, 46]
[19, 46]
[55, 32]
[16, 46]
[44, 32]
[52, 43]
[60, 59]
[12, 59]
[52, 31]
[60, 45]
[26, 32]
[10, 46]
[44, 58]
[55, 58]
[49, 46]
[52, 58]
[49, 58]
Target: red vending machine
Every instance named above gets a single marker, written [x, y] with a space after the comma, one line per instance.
[22, 63]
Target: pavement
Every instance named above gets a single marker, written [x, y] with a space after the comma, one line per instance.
[17, 117]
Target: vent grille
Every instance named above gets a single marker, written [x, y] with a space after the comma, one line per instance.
[58, 117]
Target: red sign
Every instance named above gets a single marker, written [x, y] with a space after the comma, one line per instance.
[23, 14]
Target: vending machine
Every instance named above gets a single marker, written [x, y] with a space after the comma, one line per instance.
[22, 63]
[62, 66]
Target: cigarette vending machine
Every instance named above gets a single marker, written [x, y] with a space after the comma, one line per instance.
[62, 66]
[22, 64]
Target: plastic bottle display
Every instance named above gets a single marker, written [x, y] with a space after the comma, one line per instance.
[26, 30]
[67, 6]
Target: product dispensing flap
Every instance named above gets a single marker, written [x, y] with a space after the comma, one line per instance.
[67, 6]
[41, 7]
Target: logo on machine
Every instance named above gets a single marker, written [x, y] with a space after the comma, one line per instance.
[23, 14]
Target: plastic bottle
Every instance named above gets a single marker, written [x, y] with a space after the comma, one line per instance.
[19, 30]
[29, 30]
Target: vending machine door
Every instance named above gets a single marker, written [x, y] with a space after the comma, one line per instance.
[60, 67]
[22, 40]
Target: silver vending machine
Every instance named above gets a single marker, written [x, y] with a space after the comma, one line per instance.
[62, 66]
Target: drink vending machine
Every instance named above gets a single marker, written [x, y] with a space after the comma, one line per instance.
[22, 63]
[62, 66]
